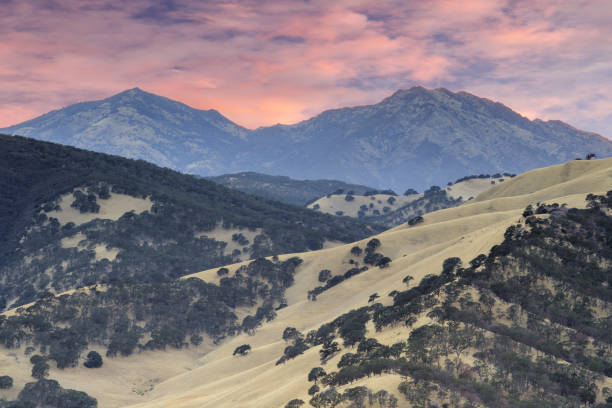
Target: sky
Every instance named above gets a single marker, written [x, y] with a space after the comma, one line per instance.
[266, 62]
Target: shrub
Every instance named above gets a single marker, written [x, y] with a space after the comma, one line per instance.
[196, 339]
[5, 382]
[383, 262]
[40, 370]
[291, 333]
[324, 275]
[416, 220]
[242, 350]
[294, 403]
[94, 360]
[316, 373]
[373, 243]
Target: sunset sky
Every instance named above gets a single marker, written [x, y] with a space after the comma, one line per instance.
[266, 62]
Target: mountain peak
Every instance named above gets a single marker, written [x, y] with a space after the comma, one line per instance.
[132, 93]
[418, 89]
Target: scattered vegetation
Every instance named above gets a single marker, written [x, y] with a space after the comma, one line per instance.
[484, 176]
[124, 318]
[158, 245]
[533, 315]
[433, 199]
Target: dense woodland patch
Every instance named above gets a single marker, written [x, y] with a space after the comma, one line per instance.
[535, 315]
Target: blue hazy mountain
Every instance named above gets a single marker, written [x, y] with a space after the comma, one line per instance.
[414, 138]
[140, 125]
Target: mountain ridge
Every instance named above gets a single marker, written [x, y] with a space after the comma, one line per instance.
[414, 138]
[283, 188]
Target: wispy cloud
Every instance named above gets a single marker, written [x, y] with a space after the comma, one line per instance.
[263, 62]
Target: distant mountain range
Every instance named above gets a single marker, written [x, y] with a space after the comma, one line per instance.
[414, 138]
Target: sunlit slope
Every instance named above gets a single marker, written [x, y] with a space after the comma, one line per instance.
[577, 176]
[466, 231]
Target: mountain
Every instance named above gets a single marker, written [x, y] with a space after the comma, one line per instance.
[413, 139]
[503, 301]
[71, 218]
[418, 137]
[285, 189]
[141, 125]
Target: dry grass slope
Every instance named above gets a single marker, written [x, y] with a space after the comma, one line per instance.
[466, 231]
[217, 379]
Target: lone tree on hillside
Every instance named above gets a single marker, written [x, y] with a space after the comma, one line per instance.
[294, 403]
[242, 350]
[6, 382]
[94, 360]
[416, 220]
[590, 156]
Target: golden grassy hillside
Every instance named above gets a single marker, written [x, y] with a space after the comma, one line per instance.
[337, 203]
[221, 380]
[209, 376]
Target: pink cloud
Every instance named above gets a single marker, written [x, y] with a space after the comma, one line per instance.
[270, 62]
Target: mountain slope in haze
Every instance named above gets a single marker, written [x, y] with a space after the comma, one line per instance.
[140, 125]
[71, 218]
[413, 139]
[523, 308]
[419, 137]
[285, 189]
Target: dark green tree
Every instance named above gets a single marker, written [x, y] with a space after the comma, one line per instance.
[5, 382]
[242, 350]
[94, 360]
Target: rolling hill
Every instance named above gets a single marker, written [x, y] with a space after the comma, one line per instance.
[70, 217]
[415, 138]
[285, 189]
[501, 302]
[392, 210]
